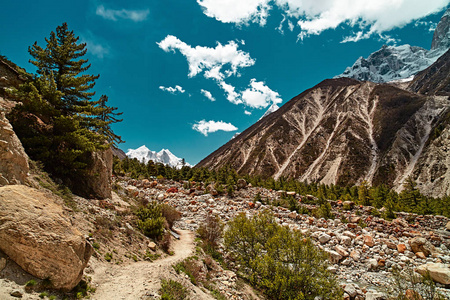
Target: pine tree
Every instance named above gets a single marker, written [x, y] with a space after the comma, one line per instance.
[58, 122]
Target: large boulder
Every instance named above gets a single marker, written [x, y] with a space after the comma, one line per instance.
[36, 234]
[420, 244]
[438, 272]
[97, 182]
[14, 161]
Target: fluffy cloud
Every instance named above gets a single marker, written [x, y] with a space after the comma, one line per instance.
[247, 112]
[208, 95]
[173, 90]
[313, 17]
[257, 95]
[237, 11]
[205, 127]
[220, 63]
[215, 63]
[114, 15]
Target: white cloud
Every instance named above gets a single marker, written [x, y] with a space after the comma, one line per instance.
[95, 45]
[114, 15]
[173, 90]
[232, 96]
[220, 63]
[313, 17]
[237, 11]
[216, 63]
[208, 95]
[247, 112]
[259, 95]
[205, 127]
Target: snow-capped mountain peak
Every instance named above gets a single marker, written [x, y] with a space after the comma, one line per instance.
[393, 63]
[143, 154]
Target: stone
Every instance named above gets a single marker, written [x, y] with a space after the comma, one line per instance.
[172, 190]
[351, 290]
[420, 255]
[420, 244]
[349, 234]
[16, 293]
[341, 250]
[14, 161]
[401, 248]
[345, 240]
[354, 219]
[324, 238]
[447, 226]
[374, 295]
[372, 264]
[35, 233]
[2, 263]
[355, 255]
[334, 256]
[368, 240]
[439, 272]
[160, 197]
[152, 246]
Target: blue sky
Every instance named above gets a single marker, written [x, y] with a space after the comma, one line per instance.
[189, 74]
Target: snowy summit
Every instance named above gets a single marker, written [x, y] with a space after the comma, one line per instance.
[143, 154]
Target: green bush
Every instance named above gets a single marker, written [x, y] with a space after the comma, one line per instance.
[151, 222]
[283, 263]
[172, 290]
[210, 232]
[108, 256]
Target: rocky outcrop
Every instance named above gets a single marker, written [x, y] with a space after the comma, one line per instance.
[97, 182]
[35, 234]
[13, 159]
[441, 36]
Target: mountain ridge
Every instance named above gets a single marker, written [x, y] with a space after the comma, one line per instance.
[343, 131]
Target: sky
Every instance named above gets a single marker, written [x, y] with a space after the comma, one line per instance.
[189, 74]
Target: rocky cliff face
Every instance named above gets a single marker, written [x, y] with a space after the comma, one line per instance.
[342, 131]
[14, 161]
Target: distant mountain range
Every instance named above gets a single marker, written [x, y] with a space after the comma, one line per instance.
[345, 131]
[393, 63]
[143, 154]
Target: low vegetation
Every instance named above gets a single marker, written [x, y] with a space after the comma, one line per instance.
[283, 263]
[172, 290]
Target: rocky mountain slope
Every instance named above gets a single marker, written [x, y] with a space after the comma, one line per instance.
[344, 131]
[143, 154]
[401, 62]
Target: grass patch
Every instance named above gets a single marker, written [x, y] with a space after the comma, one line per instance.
[172, 290]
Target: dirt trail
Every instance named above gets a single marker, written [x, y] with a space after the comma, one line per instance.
[141, 279]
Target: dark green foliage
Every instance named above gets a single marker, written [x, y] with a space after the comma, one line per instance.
[283, 263]
[410, 200]
[172, 290]
[151, 221]
[58, 122]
